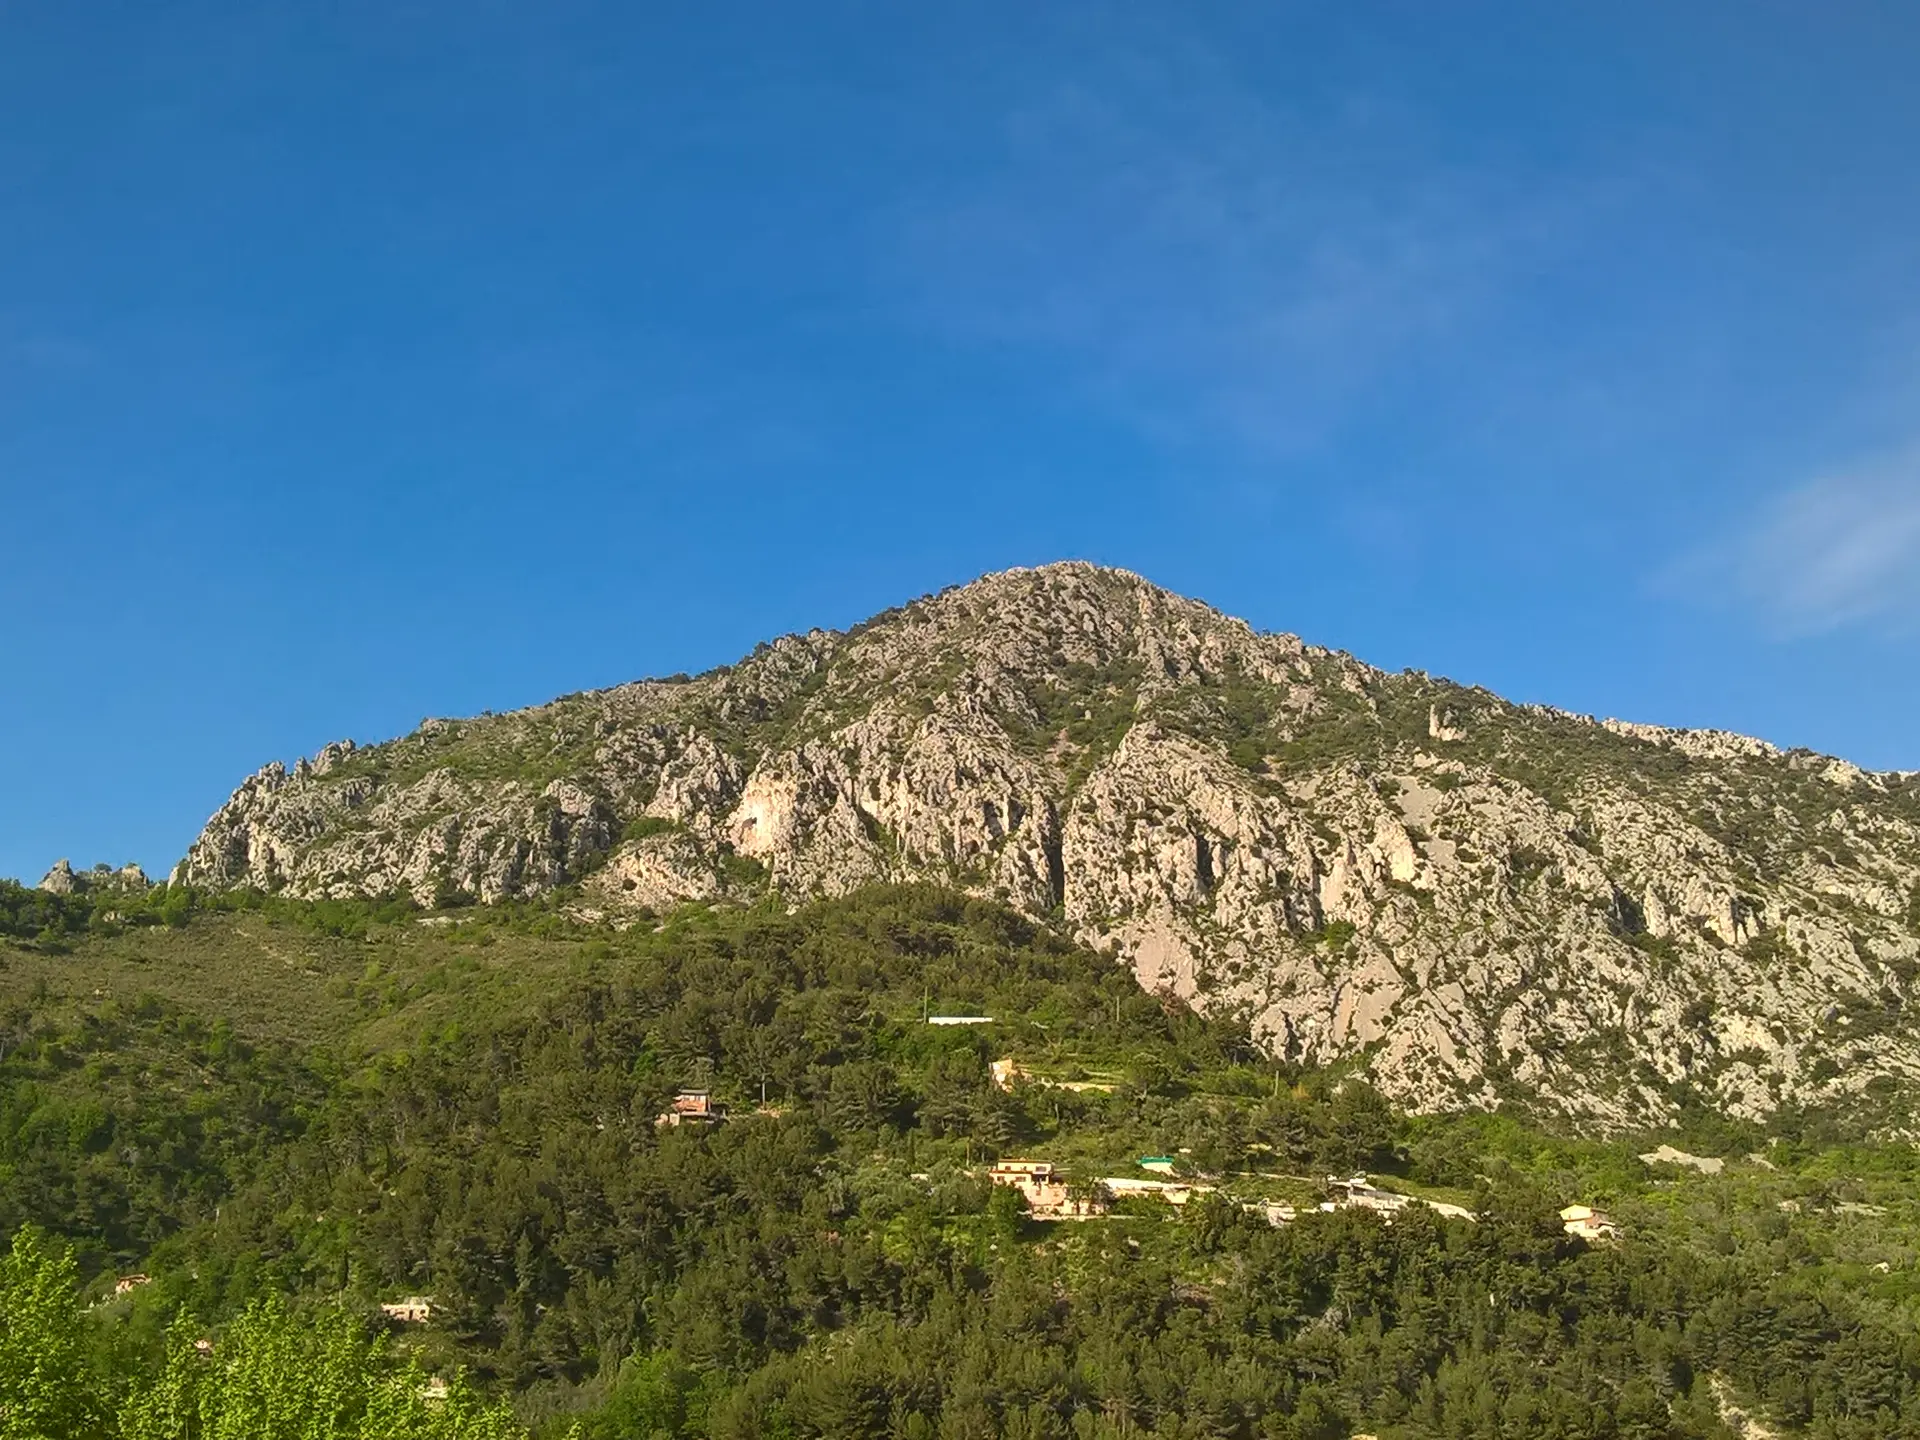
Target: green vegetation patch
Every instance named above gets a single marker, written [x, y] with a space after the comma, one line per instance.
[313, 1110]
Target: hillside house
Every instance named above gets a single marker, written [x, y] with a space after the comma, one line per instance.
[692, 1107]
[960, 1020]
[1008, 1072]
[414, 1310]
[1359, 1193]
[1174, 1192]
[127, 1284]
[1158, 1164]
[1589, 1224]
[1047, 1193]
[1274, 1212]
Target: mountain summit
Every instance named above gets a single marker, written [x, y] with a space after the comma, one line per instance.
[1471, 899]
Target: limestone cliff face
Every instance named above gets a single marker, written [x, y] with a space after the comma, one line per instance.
[1477, 900]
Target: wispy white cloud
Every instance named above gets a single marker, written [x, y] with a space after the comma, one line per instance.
[1840, 552]
[1213, 261]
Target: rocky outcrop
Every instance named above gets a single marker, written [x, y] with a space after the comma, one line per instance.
[1478, 900]
[63, 879]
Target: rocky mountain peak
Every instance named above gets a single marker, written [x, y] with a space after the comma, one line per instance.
[1472, 899]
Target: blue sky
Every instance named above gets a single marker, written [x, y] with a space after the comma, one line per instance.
[362, 362]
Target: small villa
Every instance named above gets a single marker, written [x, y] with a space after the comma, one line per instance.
[1158, 1164]
[127, 1284]
[1589, 1224]
[1048, 1196]
[960, 1020]
[692, 1107]
[1360, 1193]
[414, 1310]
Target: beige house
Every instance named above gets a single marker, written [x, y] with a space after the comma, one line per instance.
[1047, 1193]
[1588, 1223]
[414, 1310]
[692, 1107]
[127, 1284]
[1007, 1072]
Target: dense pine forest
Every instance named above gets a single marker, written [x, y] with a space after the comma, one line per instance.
[233, 1128]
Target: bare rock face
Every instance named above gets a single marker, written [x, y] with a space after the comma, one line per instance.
[656, 872]
[1480, 901]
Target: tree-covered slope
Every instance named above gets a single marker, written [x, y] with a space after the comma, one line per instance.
[468, 1114]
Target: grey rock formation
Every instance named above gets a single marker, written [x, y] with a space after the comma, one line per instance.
[63, 879]
[1478, 900]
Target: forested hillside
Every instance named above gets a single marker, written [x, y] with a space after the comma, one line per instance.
[287, 1113]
